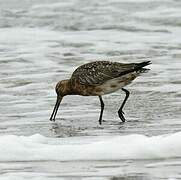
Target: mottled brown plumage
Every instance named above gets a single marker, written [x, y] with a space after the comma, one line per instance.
[99, 78]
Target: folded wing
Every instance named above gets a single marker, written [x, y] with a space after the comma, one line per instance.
[97, 73]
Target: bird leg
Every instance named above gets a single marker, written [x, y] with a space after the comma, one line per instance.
[120, 111]
[102, 108]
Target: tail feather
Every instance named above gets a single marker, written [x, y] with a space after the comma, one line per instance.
[138, 67]
[142, 64]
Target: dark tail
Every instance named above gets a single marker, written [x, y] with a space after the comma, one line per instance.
[143, 64]
[137, 67]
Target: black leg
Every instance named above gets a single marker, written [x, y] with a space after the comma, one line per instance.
[120, 112]
[102, 108]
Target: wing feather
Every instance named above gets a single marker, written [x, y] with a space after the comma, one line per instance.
[97, 73]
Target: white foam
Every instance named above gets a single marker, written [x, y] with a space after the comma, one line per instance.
[135, 146]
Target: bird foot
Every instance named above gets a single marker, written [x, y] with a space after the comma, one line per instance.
[53, 119]
[100, 121]
[121, 116]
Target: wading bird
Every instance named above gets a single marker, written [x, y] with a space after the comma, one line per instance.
[99, 78]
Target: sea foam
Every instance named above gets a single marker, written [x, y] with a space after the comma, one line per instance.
[135, 146]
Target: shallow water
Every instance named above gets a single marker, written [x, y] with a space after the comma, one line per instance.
[42, 42]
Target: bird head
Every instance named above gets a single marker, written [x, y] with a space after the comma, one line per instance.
[62, 89]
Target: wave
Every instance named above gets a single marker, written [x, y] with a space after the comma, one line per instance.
[134, 146]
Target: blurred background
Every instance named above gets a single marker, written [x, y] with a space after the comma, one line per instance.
[42, 42]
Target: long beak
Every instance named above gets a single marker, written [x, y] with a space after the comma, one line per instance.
[57, 104]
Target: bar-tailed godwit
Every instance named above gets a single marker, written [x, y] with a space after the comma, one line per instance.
[99, 78]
